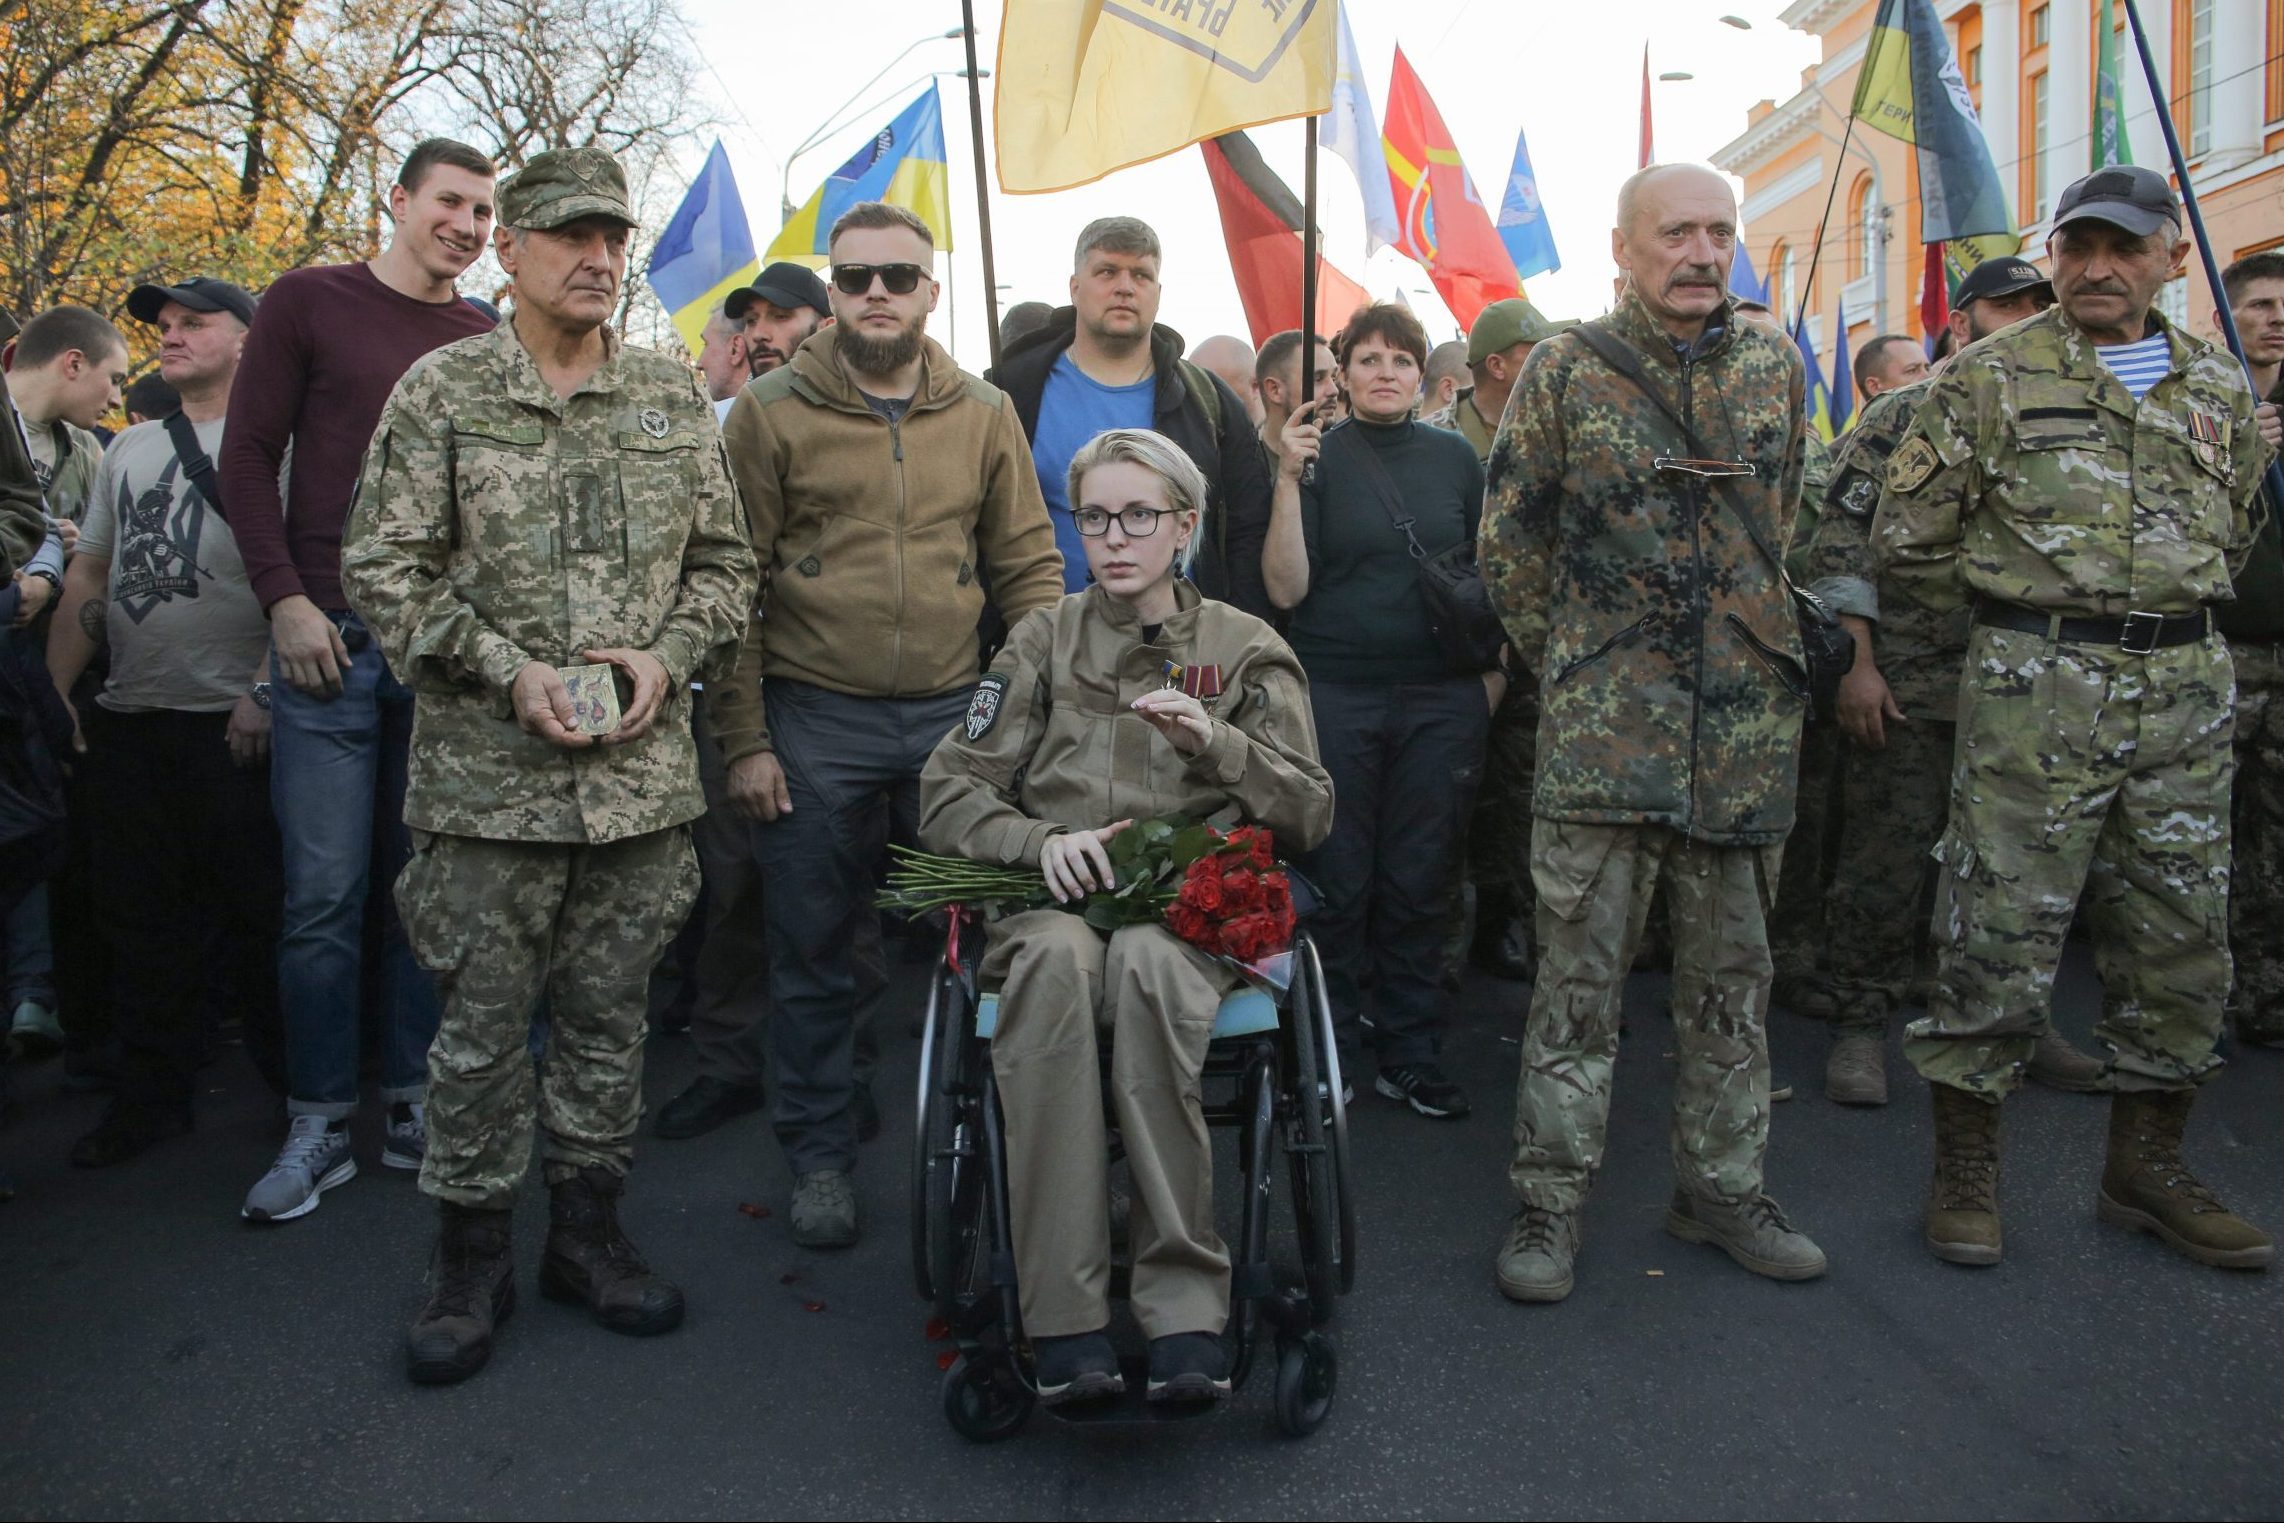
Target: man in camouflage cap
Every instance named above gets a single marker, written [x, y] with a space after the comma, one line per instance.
[2083, 481]
[1669, 664]
[1896, 708]
[545, 498]
[1499, 831]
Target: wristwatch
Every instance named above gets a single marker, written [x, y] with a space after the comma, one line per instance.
[260, 693]
[46, 575]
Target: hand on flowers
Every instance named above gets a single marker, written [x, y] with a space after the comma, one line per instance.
[1179, 717]
[1075, 864]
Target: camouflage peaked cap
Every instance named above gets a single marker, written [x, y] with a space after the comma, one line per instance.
[562, 185]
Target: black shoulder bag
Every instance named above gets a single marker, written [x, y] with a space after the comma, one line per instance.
[1827, 649]
[196, 464]
[1458, 604]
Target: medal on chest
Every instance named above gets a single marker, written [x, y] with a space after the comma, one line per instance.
[2210, 433]
[1200, 682]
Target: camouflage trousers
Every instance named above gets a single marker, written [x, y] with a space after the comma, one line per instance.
[1797, 924]
[1892, 807]
[1499, 832]
[1594, 885]
[2256, 873]
[2083, 770]
[503, 925]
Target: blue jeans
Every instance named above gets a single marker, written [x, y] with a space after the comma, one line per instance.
[31, 968]
[337, 781]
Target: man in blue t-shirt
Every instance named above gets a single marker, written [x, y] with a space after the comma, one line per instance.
[1078, 404]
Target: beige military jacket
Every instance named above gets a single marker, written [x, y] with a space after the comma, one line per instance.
[1051, 741]
[497, 524]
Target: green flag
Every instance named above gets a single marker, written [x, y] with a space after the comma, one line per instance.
[2111, 145]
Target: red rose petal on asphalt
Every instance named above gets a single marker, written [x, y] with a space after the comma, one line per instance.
[812, 1306]
[937, 1329]
[748, 1208]
[947, 1358]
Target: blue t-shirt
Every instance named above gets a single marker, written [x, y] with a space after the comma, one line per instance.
[1072, 410]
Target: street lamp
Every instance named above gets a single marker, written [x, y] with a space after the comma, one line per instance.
[832, 121]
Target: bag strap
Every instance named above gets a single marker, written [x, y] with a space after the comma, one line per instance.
[1384, 487]
[1627, 361]
[195, 462]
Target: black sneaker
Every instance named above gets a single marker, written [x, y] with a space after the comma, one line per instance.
[1081, 1367]
[706, 1104]
[1188, 1367]
[1423, 1087]
[127, 1131]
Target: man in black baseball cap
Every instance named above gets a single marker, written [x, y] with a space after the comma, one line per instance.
[199, 293]
[2004, 276]
[2124, 195]
[784, 305]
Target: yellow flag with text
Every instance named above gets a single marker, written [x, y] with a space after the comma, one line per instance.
[1086, 87]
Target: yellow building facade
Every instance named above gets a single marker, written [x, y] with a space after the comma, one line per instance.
[2029, 64]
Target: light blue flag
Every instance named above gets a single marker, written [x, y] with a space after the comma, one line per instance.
[1522, 219]
[1352, 130]
[706, 251]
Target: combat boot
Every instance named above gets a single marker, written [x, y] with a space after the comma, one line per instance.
[2146, 1185]
[2058, 1065]
[1753, 1231]
[589, 1261]
[1962, 1220]
[1856, 1073]
[471, 1291]
[1540, 1255]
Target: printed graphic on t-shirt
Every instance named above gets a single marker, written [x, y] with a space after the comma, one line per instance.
[157, 560]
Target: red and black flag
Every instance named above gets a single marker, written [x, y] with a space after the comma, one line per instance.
[1261, 222]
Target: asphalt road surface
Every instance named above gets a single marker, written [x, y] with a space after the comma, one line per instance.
[163, 1358]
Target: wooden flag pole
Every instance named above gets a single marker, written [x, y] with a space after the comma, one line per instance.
[2197, 221]
[1308, 281]
[982, 187]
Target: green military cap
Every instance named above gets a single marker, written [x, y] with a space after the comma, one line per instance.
[1504, 324]
[562, 185]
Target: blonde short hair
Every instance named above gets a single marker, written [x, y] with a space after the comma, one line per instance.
[1186, 487]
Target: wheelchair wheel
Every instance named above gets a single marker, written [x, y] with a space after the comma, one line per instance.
[948, 1162]
[926, 1108]
[1336, 1109]
[1308, 1155]
[987, 1403]
[1308, 1373]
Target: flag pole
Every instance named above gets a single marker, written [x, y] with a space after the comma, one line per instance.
[982, 186]
[1831, 192]
[2197, 223]
[1308, 281]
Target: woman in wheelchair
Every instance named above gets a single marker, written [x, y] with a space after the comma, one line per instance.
[1076, 732]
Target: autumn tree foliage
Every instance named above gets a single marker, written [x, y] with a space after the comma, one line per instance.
[244, 137]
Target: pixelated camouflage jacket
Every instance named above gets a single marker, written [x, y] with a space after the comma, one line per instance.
[1666, 646]
[1815, 480]
[1918, 649]
[497, 524]
[1052, 742]
[2030, 475]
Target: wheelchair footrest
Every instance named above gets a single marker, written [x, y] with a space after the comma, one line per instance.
[1135, 1405]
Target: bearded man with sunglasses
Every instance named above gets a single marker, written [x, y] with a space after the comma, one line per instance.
[879, 479]
[1640, 489]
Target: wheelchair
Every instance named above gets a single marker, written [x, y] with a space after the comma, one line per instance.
[1272, 1074]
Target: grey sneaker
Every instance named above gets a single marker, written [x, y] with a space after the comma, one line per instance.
[825, 1210]
[314, 1159]
[406, 1141]
[1536, 1262]
[34, 1032]
[1856, 1073]
[1753, 1232]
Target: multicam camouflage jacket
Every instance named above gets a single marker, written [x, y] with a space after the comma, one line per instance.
[1917, 649]
[2031, 476]
[1666, 647]
[497, 524]
[1459, 416]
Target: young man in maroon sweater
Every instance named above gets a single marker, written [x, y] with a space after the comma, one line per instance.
[326, 348]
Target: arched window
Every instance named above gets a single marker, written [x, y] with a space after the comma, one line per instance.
[1863, 228]
[1785, 273]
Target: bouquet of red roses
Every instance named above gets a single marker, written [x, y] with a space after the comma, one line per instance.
[1220, 891]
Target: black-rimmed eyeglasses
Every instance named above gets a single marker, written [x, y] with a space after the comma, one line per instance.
[1139, 523]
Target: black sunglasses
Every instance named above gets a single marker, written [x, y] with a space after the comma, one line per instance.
[856, 279]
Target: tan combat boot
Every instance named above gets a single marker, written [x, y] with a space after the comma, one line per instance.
[2058, 1065]
[1962, 1204]
[1856, 1073]
[2146, 1185]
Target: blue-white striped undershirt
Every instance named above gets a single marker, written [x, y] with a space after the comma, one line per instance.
[2141, 364]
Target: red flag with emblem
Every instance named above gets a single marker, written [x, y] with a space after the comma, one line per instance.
[1446, 226]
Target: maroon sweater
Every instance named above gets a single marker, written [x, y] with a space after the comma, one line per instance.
[327, 346]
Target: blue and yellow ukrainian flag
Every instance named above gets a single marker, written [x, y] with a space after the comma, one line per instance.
[902, 164]
[706, 251]
[1842, 407]
[1816, 396]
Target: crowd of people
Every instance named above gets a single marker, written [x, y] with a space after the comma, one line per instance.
[423, 681]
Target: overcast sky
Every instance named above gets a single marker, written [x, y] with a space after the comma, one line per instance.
[1568, 74]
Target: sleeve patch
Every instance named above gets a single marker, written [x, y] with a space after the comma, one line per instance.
[1910, 466]
[983, 708]
[1858, 494]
